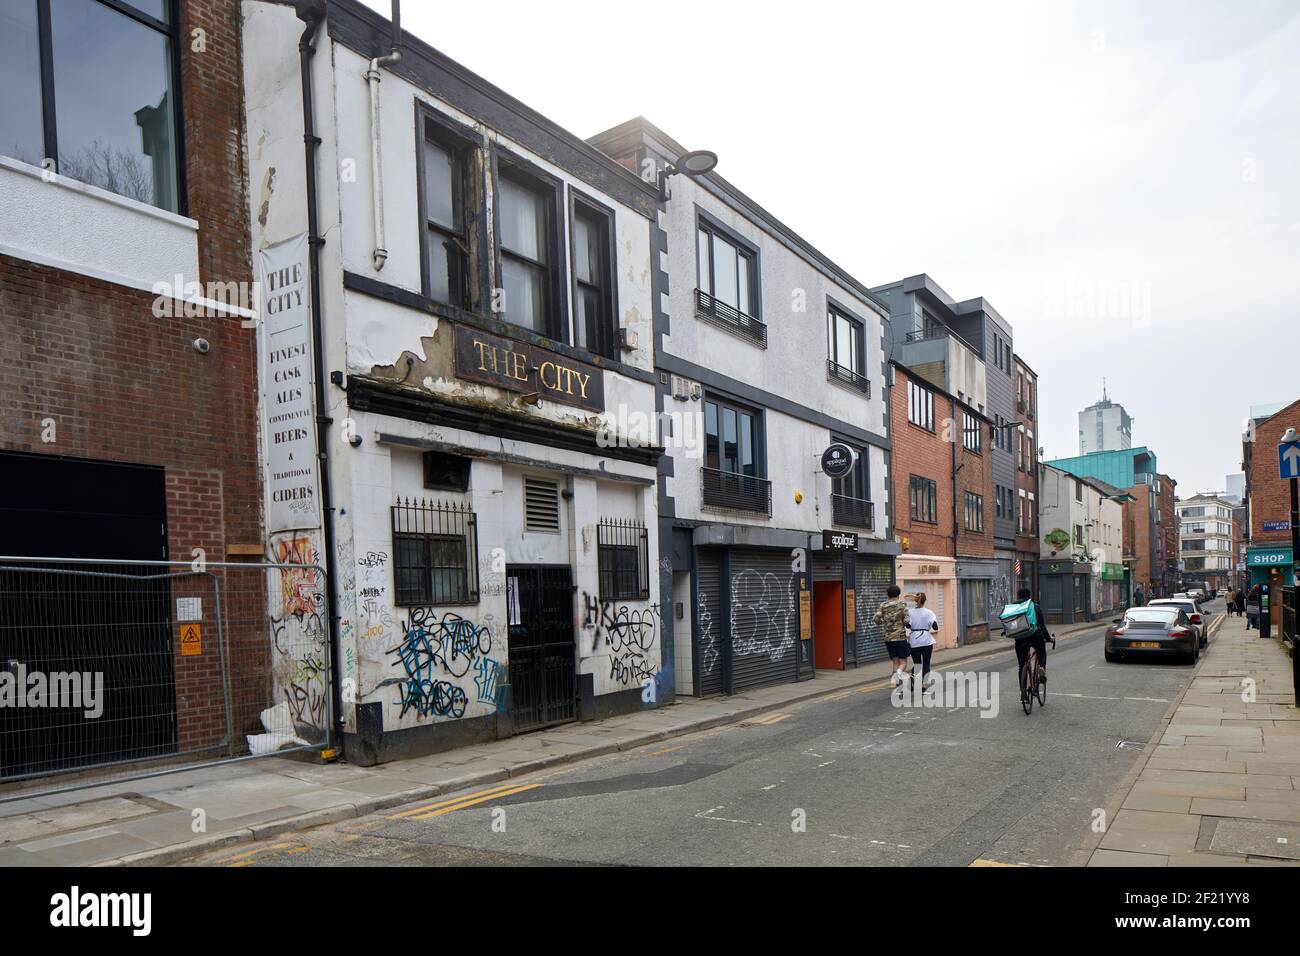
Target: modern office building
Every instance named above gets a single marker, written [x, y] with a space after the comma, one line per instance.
[1104, 426]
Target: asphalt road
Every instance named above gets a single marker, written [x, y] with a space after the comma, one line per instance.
[871, 783]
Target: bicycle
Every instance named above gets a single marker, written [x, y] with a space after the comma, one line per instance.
[1030, 685]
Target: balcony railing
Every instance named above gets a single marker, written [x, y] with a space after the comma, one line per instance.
[730, 318]
[839, 373]
[854, 512]
[726, 489]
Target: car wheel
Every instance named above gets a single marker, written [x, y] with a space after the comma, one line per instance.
[1112, 657]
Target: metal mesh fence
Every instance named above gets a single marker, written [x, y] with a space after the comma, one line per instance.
[128, 669]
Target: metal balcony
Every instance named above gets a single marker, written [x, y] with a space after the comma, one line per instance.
[853, 512]
[727, 489]
[730, 318]
[838, 373]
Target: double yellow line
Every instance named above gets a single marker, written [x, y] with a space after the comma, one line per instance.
[460, 803]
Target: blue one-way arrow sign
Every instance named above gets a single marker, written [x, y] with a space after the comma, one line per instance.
[1288, 459]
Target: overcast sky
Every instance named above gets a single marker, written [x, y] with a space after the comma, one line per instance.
[1118, 179]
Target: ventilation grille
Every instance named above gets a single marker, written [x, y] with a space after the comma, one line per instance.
[541, 505]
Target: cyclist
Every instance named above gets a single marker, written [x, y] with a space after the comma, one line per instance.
[1037, 638]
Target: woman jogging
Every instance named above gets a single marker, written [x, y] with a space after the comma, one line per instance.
[921, 628]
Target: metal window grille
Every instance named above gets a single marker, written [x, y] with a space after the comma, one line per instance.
[855, 512]
[623, 550]
[435, 553]
[729, 317]
[726, 489]
[839, 373]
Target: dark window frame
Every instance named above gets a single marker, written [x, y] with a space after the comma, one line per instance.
[923, 499]
[617, 539]
[432, 524]
[974, 509]
[926, 398]
[49, 110]
[708, 224]
[556, 314]
[467, 147]
[722, 400]
[972, 433]
[608, 333]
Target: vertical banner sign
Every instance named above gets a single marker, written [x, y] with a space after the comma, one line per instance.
[288, 390]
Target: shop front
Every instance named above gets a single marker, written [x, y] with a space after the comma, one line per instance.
[1066, 591]
[936, 578]
[1274, 567]
[975, 600]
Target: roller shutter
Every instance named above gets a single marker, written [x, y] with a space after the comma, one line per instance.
[764, 618]
[707, 635]
[874, 577]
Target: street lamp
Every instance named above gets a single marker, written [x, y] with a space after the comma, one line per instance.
[694, 164]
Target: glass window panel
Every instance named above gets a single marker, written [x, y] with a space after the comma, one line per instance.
[523, 220]
[22, 133]
[742, 284]
[587, 320]
[747, 464]
[439, 179]
[711, 435]
[439, 267]
[724, 272]
[706, 285]
[585, 266]
[525, 293]
[730, 454]
[112, 80]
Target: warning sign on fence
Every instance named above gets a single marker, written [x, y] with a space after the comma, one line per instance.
[191, 640]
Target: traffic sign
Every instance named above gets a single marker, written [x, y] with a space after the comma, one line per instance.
[1288, 455]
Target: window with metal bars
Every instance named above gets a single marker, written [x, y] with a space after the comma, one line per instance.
[435, 553]
[624, 560]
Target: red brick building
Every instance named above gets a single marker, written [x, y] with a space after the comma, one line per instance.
[942, 493]
[1268, 501]
[1026, 460]
[129, 430]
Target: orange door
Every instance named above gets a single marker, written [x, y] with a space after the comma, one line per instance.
[828, 624]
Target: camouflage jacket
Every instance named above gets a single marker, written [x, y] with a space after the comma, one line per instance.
[893, 614]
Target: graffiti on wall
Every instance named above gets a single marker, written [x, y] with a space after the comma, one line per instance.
[708, 640]
[627, 634]
[297, 629]
[436, 651]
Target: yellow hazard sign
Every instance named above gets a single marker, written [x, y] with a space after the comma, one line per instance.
[191, 640]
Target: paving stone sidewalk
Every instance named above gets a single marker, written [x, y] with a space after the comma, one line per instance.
[151, 821]
[1221, 785]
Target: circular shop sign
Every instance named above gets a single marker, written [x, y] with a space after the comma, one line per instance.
[837, 460]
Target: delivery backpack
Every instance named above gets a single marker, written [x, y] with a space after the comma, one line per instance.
[1019, 620]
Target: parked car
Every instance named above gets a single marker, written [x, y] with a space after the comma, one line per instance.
[1152, 632]
[1192, 609]
[1222, 592]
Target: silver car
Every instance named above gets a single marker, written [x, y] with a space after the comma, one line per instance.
[1192, 609]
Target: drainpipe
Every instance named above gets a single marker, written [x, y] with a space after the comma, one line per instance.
[373, 76]
[312, 13]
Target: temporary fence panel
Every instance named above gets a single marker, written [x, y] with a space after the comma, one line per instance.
[146, 667]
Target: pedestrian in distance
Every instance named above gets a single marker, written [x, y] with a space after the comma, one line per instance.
[1139, 597]
[893, 614]
[922, 625]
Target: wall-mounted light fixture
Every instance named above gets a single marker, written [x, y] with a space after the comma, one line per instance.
[695, 163]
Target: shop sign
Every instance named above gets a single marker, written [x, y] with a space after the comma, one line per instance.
[517, 367]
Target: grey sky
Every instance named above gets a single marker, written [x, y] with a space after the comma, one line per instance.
[1118, 179]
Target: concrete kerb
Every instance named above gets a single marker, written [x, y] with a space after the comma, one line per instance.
[1085, 853]
[163, 856]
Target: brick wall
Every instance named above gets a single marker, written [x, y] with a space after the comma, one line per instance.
[926, 454]
[122, 385]
[1270, 496]
[976, 476]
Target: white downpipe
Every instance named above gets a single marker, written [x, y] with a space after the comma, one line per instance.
[380, 254]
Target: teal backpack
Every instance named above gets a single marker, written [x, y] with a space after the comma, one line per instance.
[1019, 620]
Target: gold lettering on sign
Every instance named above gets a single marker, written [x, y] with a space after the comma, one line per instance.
[518, 366]
[541, 375]
[483, 351]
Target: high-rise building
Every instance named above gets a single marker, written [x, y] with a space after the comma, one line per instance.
[1104, 426]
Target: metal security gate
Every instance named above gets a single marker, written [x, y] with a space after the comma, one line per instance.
[541, 636]
[708, 632]
[764, 613]
[874, 577]
[139, 668]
